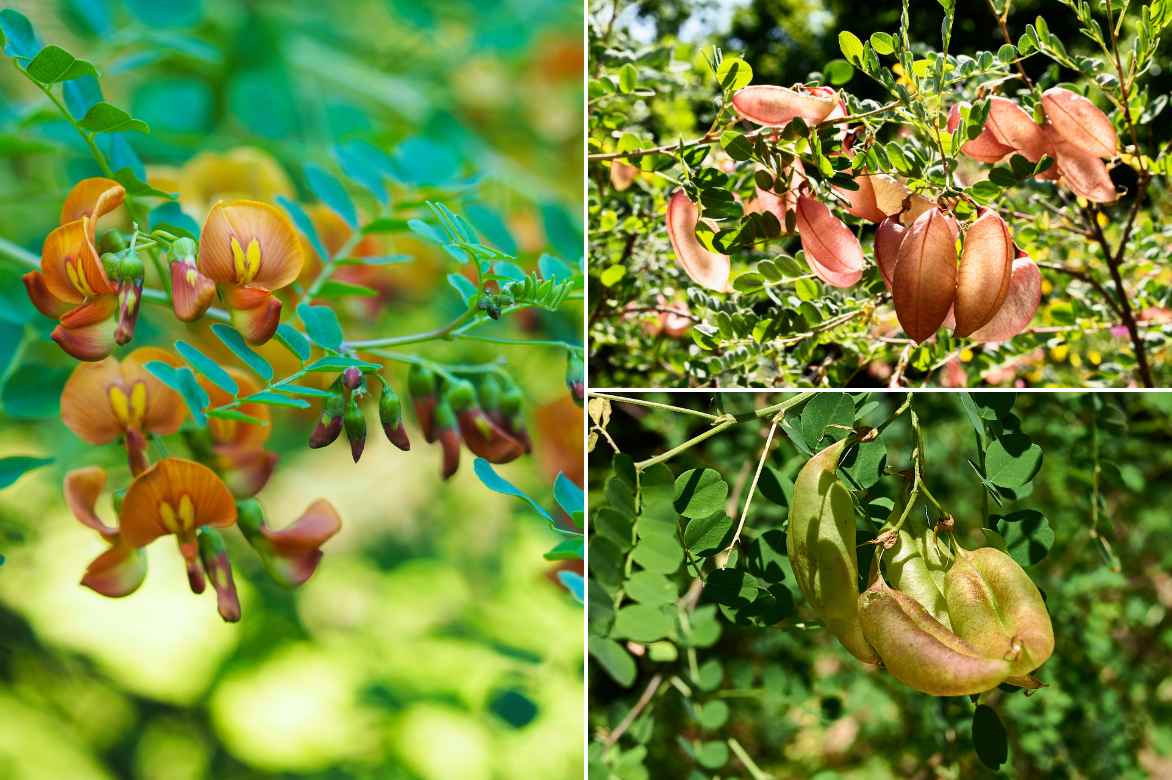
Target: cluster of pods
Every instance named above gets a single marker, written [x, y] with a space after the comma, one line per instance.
[990, 289]
[942, 620]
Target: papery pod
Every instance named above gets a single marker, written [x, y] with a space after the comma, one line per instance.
[832, 250]
[924, 282]
[622, 175]
[982, 279]
[820, 542]
[919, 651]
[1079, 122]
[914, 206]
[888, 236]
[1085, 174]
[996, 608]
[985, 147]
[916, 567]
[1012, 126]
[1021, 301]
[878, 196]
[773, 106]
[705, 268]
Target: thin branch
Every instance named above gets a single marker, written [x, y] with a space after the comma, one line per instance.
[656, 405]
[752, 489]
[648, 694]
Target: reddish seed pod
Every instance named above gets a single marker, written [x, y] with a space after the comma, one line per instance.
[832, 250]
[1013, 127]
[888, 236]
[1021, 301]
[924, 282]
[1079, 123]
[985, 147]
[982, 280]
[773, 106]
[329, 425]
[707, 269]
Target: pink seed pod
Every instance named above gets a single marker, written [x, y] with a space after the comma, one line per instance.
[1014, 128]
[832, 250]
[985, 147]
[622, 175]
[916, 206]
[982, 279]
[878, 196]
[1015, 314]
[1079, 123]
[888, 236]
[1085, 174]
[772, 106]
[705, 268]
[924, 282]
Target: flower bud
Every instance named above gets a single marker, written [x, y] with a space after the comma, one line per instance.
[355, 424]
[329, 425]
[290, 555]
[421, 383]
[575, 381]
[111, 240]
[183, 250]
[448, 436]
[390, 415]
[191, 291]
[129, 300]
[132, 265]
[214, 555]
[352, 378]
[112, 264]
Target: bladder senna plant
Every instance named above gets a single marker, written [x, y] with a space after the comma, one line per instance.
[821, 547]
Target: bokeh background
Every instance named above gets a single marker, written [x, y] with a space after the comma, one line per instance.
[802, 707]
[434, 641]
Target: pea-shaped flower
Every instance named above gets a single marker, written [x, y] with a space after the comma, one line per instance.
[121, 569]
[291, 554]
[251, 249]
[72, 286]
[176, 497]
[113, 399]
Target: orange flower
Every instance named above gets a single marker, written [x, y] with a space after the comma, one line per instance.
[176, 497]
[251, 248]
[239, 446]
[243, 172]
[290, 555]
[72, 285]
[110, 399]
[121, 569]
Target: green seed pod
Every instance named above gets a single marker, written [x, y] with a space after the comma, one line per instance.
[821, 547]
[996, 608]
[919, 651]
[916, 567]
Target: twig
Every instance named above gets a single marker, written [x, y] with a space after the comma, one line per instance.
[726, 553]
[648, 694]
[657, 405]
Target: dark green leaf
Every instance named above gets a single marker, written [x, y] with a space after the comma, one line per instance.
[14, 467]
[1012, 460]
[614, 659]
[104, 117]
[650, 588]
[208, 367]
[700, 493]
[341, 363]
[335, 289]
[641, 623]
[269, 398]
[989, 737]
[321, 325]
[183, 381]
[53, 64]
[235, 342]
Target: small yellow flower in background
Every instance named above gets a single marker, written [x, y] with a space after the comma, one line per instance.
[1075, 360]
[966, 355]
[1059, 352]
[1047, 286]
[241, 173]
[1102, 219]
[1095, 357]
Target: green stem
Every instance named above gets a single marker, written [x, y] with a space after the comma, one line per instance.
[519, 342]
[328, 269]
[447, 370]
[752, 489]
[724, 423]
[444, 331]
[656, 405]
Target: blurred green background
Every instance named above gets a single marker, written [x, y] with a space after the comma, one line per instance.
[802, 707]
[434, 640]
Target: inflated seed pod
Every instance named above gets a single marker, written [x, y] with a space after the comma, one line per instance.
[916, 567]
[996, 608]
[821, 546]
[919, 651]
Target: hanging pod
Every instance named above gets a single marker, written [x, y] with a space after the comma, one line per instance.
[919, 651]
[916, 567]
[924, 280]
[707, 269]
[820, 543]
[996, 608]
[982, 279]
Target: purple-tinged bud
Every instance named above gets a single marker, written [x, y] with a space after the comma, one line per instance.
[355, 424]
[390, 415]
[421, 384]
[214, 555]
[129, 300]
[352, 378]
[329, 425]
[575, 377]
[448, 436]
